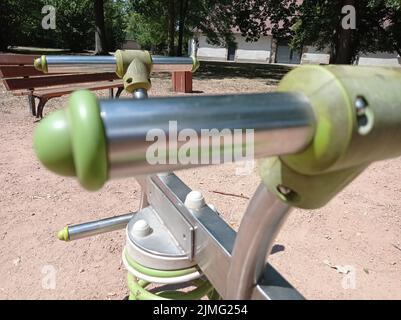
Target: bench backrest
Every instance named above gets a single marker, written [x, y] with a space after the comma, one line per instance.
[18, 73]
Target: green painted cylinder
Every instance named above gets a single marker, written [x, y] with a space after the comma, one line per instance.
[358, 112]
[72, 142]
[333, 92]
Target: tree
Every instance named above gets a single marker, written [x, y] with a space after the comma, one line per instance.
[16, 25]
[319, 23]
[100, 32]
[308, 22]
[215, 19]
[181, 24]
[150, 33]
[171, 27]
[116, 20]
[182, 18]
[74, 26]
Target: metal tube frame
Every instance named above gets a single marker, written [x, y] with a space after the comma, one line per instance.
[83, 64]
[92, 228]
[214, 246]
[282, 123]
[244, 253]
[217, 248]
[258, 229]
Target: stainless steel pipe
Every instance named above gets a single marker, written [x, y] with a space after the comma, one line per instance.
[93, 64]
[259, 227]
[88, 229]
[272, 124]
[80, 64]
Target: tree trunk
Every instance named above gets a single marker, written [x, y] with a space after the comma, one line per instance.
[181, 26]
[171, 27]
[100, 33]
[345, 46]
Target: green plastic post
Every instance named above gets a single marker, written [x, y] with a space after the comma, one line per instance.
[134, 67]
[195, 63]
[72, 142]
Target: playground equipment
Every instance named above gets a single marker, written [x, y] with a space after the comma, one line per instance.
[322, 128]
[133, 66]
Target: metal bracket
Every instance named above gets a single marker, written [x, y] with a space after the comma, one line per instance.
[212, 240]
[171, 212]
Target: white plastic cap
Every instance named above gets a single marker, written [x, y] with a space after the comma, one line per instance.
[194, 200]
[141, 228]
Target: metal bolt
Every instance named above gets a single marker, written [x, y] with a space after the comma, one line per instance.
[360, 105]
[140, 94]
[285, 191]
[141, 228]
[194, 200]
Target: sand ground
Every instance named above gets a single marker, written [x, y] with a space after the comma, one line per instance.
[359, 229]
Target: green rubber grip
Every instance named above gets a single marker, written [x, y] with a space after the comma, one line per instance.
[72, 142]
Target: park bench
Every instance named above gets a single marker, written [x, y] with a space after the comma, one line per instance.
[20, 77]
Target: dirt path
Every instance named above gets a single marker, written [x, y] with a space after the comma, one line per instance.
[361, 228]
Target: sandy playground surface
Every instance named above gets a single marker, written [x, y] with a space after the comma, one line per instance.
[351, 249]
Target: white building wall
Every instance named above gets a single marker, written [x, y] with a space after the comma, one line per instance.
[384, 59]
[379, 55]
[259, 51]
[210, 52]
[368, 59]
[312, 49]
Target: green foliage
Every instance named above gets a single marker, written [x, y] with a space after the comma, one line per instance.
[215, 19]
[318, 23]
[21, 24]
[116, 16]
[148, 24]
[261, 17]
[74, 24]
[149, 32]
[16, 24]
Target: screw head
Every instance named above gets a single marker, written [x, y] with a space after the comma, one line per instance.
[284, 190]
[360, 104]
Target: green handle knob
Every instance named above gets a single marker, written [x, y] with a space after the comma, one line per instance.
[71, 142]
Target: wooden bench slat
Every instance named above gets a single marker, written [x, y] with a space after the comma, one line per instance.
[20, 77]
[40, 82]
[57, 92]
[60, 91]
[25, 71]
[17, 59]
[20, 71]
